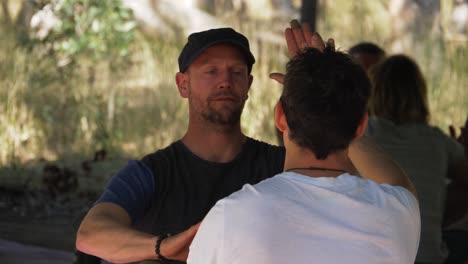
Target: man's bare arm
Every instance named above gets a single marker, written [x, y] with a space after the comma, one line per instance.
[106, 232]
[374, 164]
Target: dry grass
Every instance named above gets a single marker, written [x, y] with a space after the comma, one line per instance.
[56, 116]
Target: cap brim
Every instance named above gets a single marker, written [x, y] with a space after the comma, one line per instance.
[250, 59]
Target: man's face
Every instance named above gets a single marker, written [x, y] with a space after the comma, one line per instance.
[217, 83]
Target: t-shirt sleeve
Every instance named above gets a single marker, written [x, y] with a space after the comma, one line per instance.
[208, 245]
[403, 195]
[132, 188]
[412, 228]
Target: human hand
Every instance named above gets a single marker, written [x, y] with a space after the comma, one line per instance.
[298, 37]
[176, 247]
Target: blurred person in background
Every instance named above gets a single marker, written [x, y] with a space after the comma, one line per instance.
[399, 122]
[367, 54]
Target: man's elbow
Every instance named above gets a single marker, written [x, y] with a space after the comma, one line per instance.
[83, 241]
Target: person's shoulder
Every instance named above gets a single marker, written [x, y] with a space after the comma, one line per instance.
[256, 192]
[375, 193]
[171, 147]
[400, 194]
[438, 135]
[377, 126]
[163, 154]
[436, 131]
[263, 146]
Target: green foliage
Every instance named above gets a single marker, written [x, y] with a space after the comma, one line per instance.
[118, 92]
[92, 29]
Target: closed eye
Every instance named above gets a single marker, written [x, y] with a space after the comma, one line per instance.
[238, 71]
[211, 71]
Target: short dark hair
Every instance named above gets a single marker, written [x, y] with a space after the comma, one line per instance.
[367, 47]
[399, 91]
[324, 99]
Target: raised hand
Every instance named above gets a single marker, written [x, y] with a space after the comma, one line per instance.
[299, 36]
[176, 247]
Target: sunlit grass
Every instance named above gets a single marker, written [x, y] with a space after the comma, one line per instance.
[68, 115]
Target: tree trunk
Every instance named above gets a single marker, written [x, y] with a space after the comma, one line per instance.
[6, 13]
[309, 13]
[25, 14]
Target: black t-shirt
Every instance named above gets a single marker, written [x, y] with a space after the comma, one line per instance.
[172, 189]
[186, 186]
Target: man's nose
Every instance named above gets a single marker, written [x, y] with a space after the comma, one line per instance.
[225, 79]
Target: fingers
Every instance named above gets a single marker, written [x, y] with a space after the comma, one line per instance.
[279, 77]
[177, 246]
[194, 229]
[293, 48]
[189, 234]
[308, 34]
[300, 36]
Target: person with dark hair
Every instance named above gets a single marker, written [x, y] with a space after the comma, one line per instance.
[318, 210]
[399, 122]
[367, 54]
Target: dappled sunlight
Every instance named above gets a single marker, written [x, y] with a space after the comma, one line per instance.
[131, 107]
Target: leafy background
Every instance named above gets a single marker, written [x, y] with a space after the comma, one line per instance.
[88, 75]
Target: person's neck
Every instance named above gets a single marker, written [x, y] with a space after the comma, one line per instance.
[304, 162]
[215, 144]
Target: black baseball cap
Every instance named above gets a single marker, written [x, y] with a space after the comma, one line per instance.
[200, 41]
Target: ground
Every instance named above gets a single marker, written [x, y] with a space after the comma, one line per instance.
[36, 218]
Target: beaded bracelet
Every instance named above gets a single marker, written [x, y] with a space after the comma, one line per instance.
[158, 248]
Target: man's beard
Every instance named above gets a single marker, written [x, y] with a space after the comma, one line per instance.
[218, 118]
[225, 116]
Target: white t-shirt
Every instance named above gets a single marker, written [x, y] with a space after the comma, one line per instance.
[292, 218]
[426, 154]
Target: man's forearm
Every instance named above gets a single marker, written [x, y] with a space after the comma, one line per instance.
[374, 164]
[107, 234]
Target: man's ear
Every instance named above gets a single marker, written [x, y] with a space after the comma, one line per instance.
[182, 84]
[362, 125]
[280, 118]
